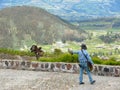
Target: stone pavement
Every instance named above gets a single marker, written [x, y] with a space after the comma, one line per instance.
[37, 80]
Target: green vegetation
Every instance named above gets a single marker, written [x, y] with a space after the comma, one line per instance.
[101, 24]
[74, 59]
[110, 37]
[59, 56]
[111, 61]
[15, 52]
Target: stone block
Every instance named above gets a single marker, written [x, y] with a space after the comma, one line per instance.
[69, 66]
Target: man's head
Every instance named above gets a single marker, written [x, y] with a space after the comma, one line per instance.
[83, 46]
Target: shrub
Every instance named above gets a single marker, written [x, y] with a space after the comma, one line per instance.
[112, 61]
[68, 58]
[59, 56]
[96, 60]
[65, 57]
[57, 51]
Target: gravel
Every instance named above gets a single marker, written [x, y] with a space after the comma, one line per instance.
[39, 80]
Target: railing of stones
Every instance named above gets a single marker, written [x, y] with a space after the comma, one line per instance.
[101, 70]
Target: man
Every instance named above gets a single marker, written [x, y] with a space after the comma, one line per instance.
[83, 56]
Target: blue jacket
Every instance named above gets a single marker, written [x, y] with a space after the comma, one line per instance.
[81, 57]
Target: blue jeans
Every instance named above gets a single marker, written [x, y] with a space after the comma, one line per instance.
[82, 68]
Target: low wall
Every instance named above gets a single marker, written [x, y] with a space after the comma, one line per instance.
[101, 70]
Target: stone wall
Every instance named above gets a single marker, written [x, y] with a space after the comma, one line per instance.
[101, 70]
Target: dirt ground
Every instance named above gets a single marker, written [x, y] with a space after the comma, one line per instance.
[38, 80]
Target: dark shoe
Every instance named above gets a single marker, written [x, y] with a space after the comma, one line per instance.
[93, 82]
[81, 83]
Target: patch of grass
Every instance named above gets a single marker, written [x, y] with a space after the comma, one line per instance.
[112, 61]
[15, 52]
[96, 60]
[58, 56]
[66, 57]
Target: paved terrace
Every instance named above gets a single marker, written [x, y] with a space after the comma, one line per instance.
[41, 80]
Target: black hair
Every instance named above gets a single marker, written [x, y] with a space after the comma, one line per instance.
[83, 46]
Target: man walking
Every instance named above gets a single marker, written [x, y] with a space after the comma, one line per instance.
[83, 57]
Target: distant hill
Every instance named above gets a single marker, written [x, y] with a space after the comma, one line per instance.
[72, 10]
[100, 24]
[25, 25]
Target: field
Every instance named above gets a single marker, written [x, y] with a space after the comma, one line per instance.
[101, 52]
[95, 46]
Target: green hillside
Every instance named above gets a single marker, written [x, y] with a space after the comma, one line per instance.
[23, 26]
[100, 24]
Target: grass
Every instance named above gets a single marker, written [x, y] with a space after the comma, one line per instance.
[59, 56]
[15, 52]
[66, 57]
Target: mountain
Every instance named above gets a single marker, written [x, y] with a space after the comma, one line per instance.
[72, 10]
[25, 25]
